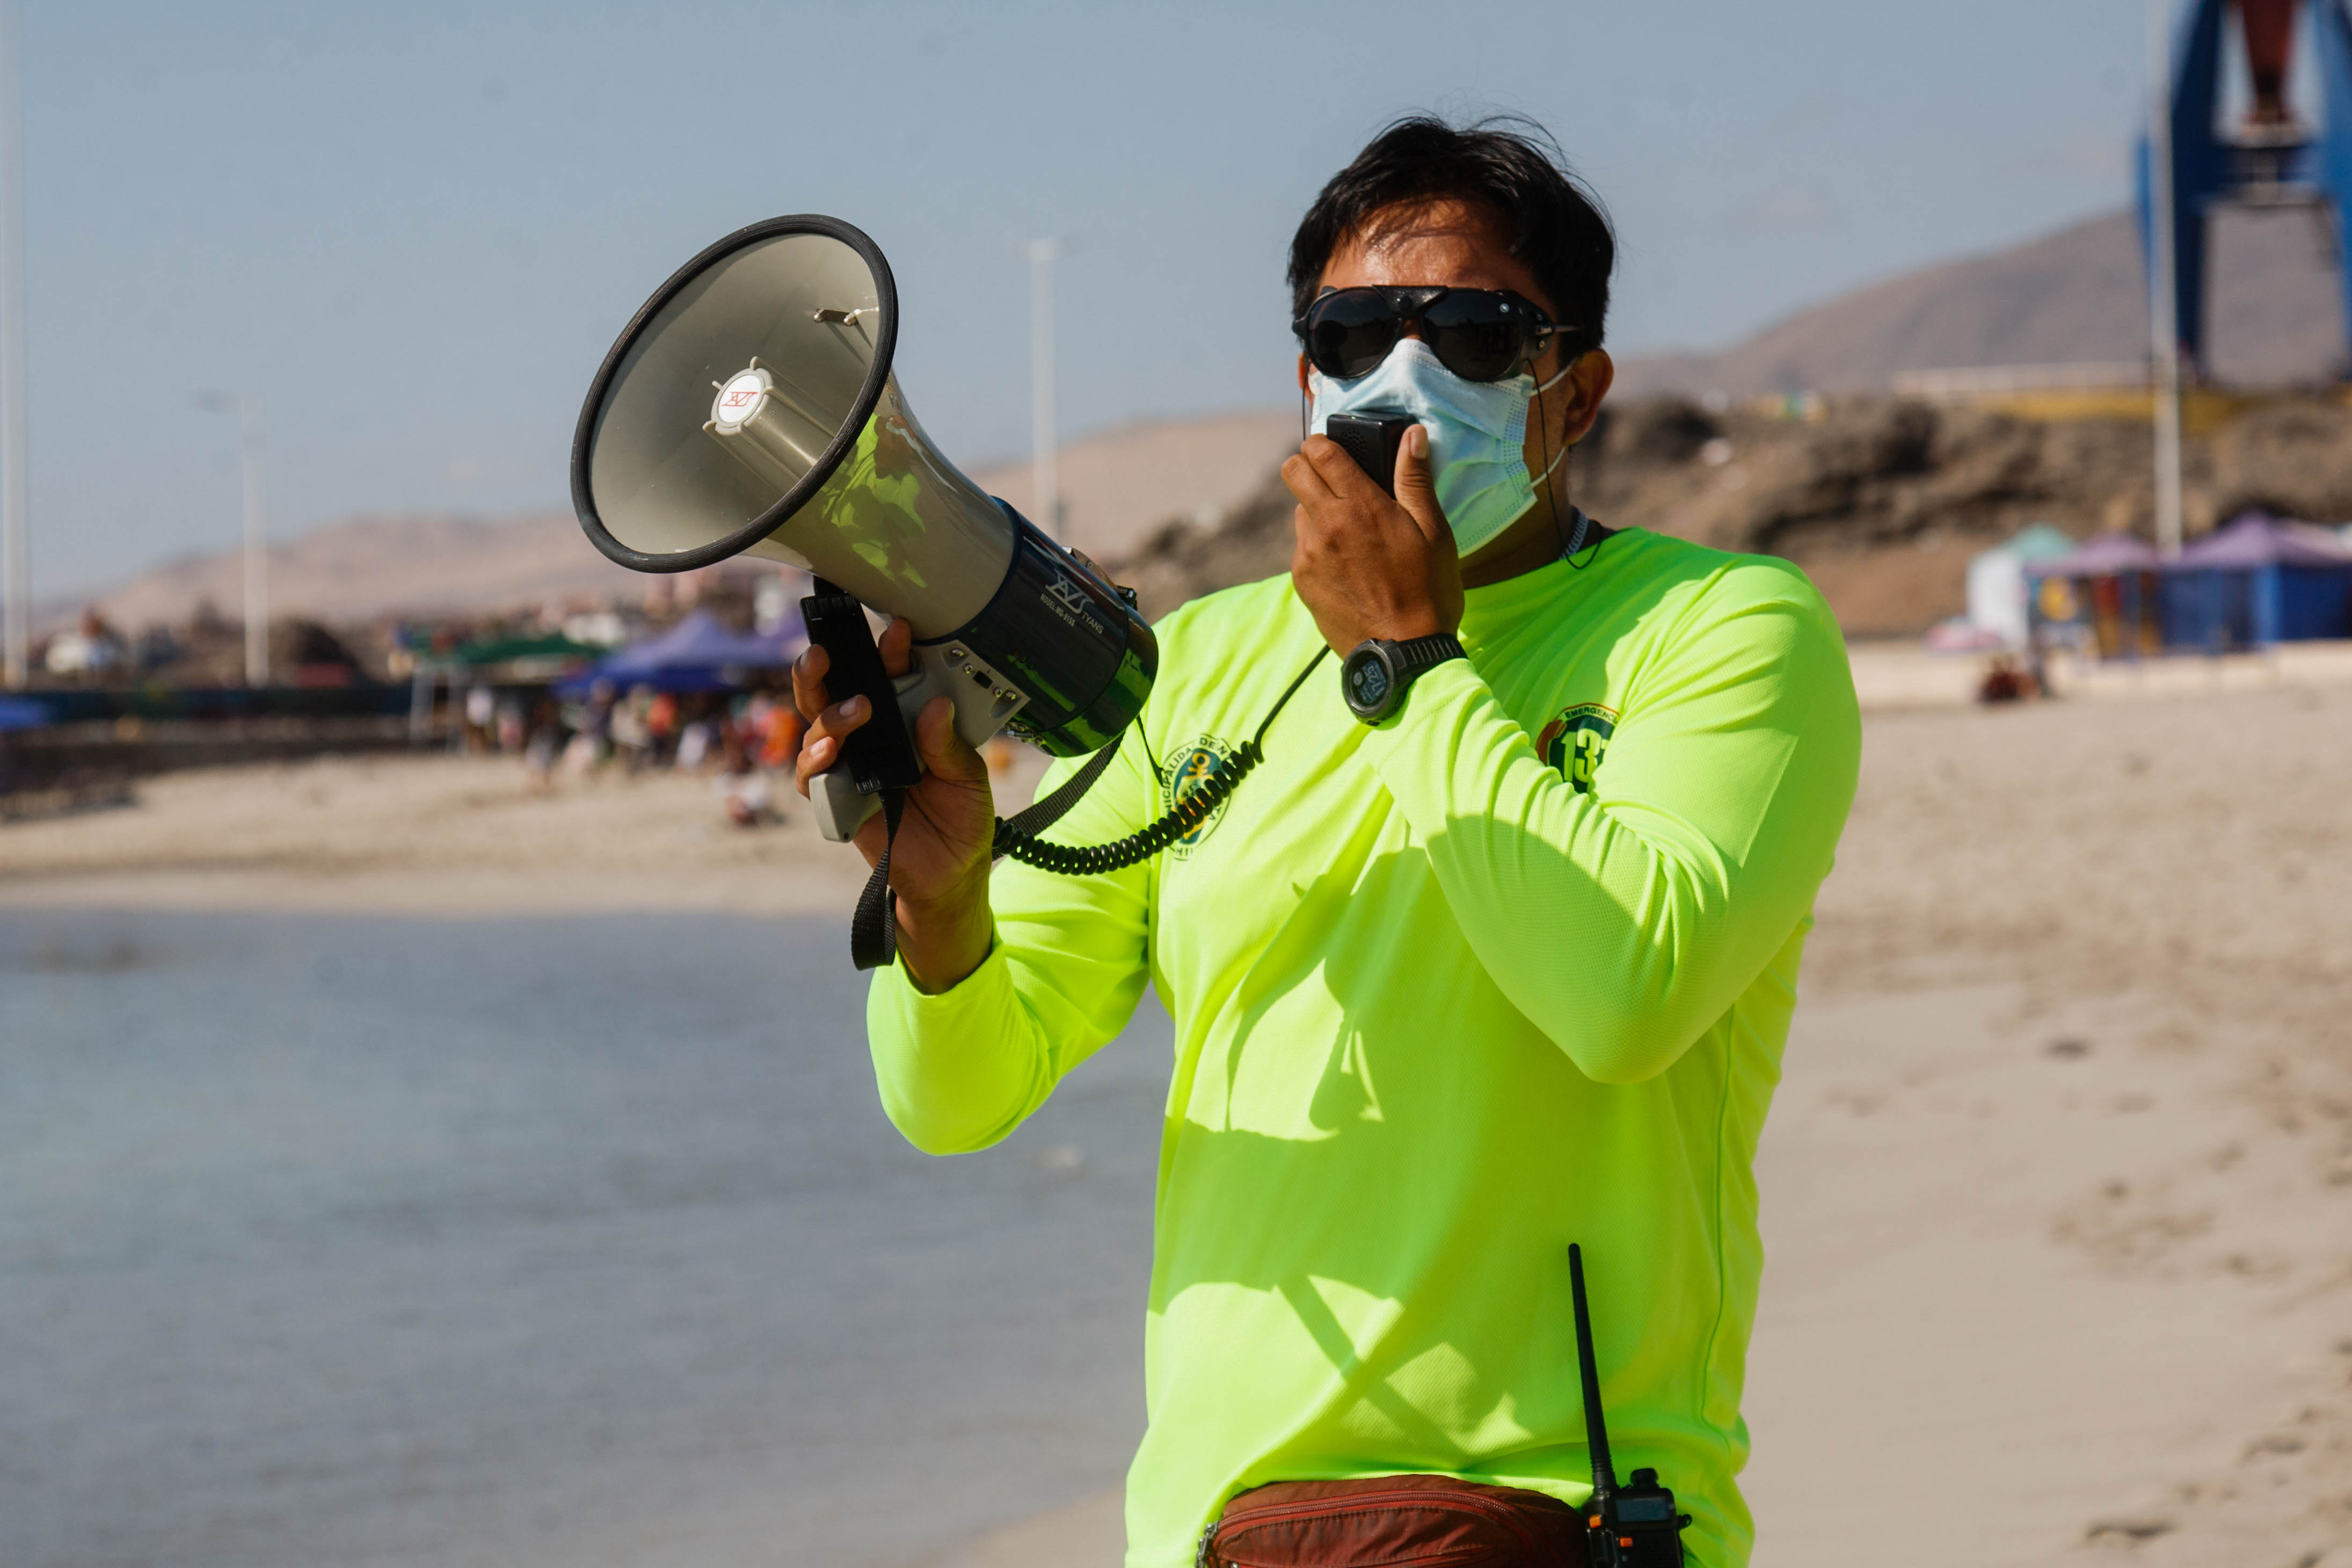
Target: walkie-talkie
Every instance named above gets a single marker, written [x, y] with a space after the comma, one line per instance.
[1373, 440]
[1635, 1525]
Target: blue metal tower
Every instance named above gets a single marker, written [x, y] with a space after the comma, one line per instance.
[2272, 160]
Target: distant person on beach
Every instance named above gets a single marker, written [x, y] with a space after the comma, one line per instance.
[632, 728]
[777, 727]
[545, 743]
[1496, 952]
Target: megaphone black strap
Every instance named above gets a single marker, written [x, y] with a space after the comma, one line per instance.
[874, 926]
[1036, 819]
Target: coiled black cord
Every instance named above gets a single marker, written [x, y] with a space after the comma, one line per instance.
[1086, 860]
[1020, 841]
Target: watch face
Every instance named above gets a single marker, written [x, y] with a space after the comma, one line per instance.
[1368, 680]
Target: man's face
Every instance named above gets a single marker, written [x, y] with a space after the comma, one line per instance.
[1448, 243]
[1461, 245]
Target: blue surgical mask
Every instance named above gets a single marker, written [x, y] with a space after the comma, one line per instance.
[1477, 434]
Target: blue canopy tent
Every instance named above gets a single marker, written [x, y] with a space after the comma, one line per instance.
[697, 655]
[23, 713]
[2257, 581]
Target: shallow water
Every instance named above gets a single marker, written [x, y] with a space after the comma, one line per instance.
[342, 1240]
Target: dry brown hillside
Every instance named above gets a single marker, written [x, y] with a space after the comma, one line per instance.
[365, 567]
[1115, 486]
[1882, 500]
[2276, 315]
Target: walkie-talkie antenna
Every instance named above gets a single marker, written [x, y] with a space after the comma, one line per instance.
[1596, 1431]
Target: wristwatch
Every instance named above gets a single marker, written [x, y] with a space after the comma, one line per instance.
[1376, 673]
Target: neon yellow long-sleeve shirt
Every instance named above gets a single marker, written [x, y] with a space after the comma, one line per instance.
[1512, 969]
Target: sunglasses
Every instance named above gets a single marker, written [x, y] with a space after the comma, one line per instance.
[1479, 334]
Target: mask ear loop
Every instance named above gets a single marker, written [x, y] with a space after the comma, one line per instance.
[1551, 464]
[1306, 398]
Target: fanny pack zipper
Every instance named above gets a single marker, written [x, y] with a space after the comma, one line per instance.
[1372, 1502]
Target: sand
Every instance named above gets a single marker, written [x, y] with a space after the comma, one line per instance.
[431, 834]
[2058, 1190]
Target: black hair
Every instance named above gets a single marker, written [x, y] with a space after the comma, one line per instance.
[1504, 163]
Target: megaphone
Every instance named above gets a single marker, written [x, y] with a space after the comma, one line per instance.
[750, 409]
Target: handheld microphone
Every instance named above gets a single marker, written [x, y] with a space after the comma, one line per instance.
[1373, 440]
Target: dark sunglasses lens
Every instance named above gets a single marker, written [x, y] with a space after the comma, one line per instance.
[1349, 333]
[1478, 352]
[1477, 336]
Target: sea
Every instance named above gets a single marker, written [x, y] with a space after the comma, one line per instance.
[353, 1240]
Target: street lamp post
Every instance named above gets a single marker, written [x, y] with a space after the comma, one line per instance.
[1046, 478]
[2164, 323]
[257, 544]
[15, 557]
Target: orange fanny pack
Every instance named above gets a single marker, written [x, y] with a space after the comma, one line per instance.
[1392, 1521]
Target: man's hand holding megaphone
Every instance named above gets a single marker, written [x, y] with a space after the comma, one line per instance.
[939, 863]
[808, 454]
[1367, 565]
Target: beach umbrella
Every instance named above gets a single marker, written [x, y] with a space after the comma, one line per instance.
[524, 659]
[507, 650]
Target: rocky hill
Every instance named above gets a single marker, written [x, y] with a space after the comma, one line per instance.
[1120, 485]
[2276, 315]
[1882, 500]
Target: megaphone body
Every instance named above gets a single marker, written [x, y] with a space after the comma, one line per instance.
[750, 409]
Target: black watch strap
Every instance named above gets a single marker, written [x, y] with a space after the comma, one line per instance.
[1418, 653]
[1399, 663]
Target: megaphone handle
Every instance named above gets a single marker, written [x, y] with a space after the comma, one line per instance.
[840, 807]
[880, 753]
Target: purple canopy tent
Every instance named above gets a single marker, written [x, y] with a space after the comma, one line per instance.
[2102, 555]
[2258, 539]
[2105, 589]
[2260, 579]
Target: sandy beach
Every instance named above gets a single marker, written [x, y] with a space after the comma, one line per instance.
[424, 835]
[2058, 1189]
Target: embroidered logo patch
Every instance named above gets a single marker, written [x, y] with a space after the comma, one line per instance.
[1182, 776]
[1575, 741]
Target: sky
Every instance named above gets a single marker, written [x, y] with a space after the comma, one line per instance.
[414, 230]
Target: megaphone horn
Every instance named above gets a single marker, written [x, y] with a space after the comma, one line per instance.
[749, 408]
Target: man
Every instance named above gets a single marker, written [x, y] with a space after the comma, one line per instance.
[1502, 962]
